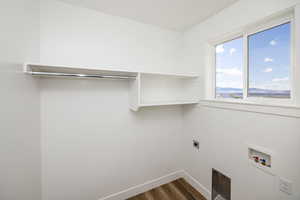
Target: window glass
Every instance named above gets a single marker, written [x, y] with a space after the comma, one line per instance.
[269, 57]
[229, 65]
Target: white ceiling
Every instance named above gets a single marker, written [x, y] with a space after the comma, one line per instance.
[171, 14]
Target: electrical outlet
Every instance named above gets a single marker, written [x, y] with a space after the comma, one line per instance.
[196, 144]
[285, 186]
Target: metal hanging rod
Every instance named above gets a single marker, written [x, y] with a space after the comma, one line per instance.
[59, 74]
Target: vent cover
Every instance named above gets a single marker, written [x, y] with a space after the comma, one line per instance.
[221, 186]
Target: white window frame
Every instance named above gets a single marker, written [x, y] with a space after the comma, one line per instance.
[245, 33]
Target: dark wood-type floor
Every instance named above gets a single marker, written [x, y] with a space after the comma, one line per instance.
[176, 190]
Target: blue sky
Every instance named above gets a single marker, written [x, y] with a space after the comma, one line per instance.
[269, 60]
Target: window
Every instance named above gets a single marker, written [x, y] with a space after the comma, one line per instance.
[270, 62]
[229, 67]
[256, 65]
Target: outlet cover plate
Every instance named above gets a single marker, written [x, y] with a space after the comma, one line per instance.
[196, 144]
[285, 186]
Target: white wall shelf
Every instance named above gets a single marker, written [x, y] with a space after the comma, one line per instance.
[146, 88]
[150, 89]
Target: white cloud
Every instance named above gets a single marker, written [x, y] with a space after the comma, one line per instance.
[274, 86]
[230, 71]
[268, 59]
[232, 50]
[230, 84]
[273, 42]
[267, 70]
[220, 48]
[280, 79]
[229, 78]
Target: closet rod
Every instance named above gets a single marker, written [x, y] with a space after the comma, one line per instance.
[59, 74]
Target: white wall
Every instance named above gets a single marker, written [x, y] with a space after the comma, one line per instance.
[92, 144]
[224, 134]
[79, 36]
[20, 150]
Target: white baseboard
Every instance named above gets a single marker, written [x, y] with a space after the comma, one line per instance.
[130, 192]
[198, 186]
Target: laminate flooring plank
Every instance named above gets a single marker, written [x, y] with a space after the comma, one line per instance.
[183, 190]
[197, 195]
[149, 196]
[176, 190]
[170, 192]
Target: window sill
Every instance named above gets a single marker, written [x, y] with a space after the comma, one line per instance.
[271, 109]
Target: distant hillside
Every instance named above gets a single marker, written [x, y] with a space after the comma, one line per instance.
[229, 90]
[238, 92]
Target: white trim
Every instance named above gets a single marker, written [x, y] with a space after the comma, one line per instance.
[293, 63]
[286, 13]
[214, 71]
[246, 106]
[135, 190]
[296, 70]
[263, 26]
[245, 74]
[211, 72]
[227, 38]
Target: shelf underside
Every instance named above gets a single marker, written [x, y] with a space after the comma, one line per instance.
[168, 103]
[97, 70]
[78, 70]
